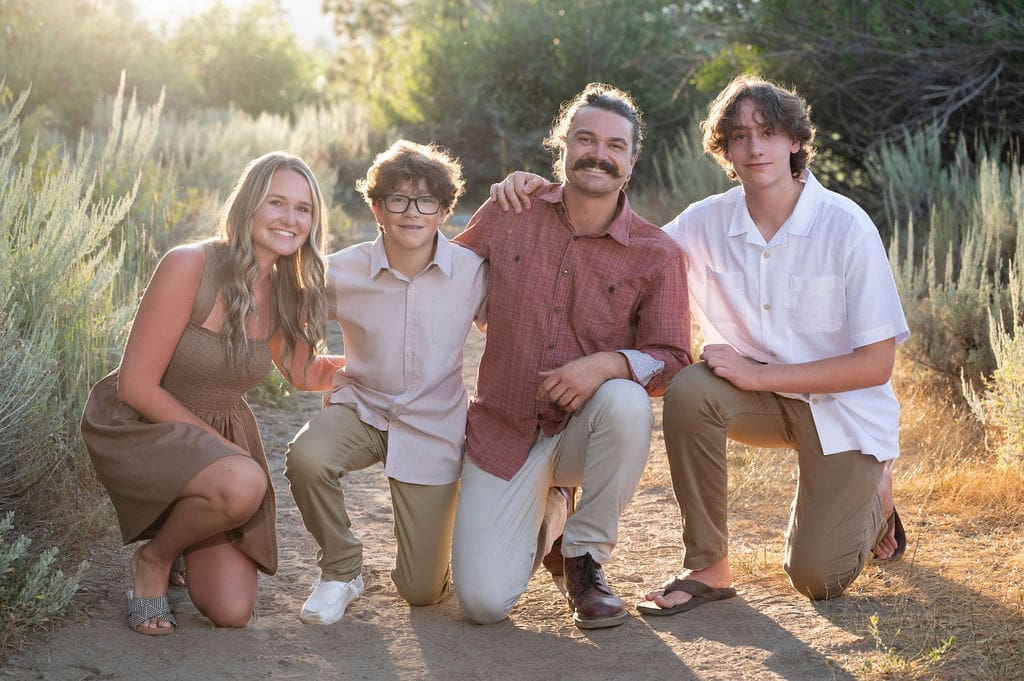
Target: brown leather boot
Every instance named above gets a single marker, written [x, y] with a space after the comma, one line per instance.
[594, 605]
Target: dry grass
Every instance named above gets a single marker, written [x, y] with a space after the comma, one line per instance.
[953, 608]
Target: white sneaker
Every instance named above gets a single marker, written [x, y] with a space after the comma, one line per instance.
[327, 603]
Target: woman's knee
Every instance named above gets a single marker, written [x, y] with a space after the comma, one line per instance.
[232, 614]
[238, 492]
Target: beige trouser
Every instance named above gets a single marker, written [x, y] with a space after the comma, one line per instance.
[837, 513]
[503, 528]
[336, 442]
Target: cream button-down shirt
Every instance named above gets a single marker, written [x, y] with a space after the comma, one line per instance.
[820, 288]
[403, 352]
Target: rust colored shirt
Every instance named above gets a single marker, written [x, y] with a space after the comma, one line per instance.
[555, 296]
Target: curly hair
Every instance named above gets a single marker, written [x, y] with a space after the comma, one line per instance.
[782, 109]
[601, 96]
[406, 161]
[298, 281]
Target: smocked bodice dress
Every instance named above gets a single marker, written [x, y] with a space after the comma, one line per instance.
[145, 465]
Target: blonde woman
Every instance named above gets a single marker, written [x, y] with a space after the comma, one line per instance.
[169, 432]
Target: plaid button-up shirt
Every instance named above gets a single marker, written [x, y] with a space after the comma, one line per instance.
[556, 295]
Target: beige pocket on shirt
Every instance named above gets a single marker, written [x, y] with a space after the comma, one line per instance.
[452, 319]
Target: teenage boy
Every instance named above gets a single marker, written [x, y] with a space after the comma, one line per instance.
[405, 303]
[792, 288]
[584, 321]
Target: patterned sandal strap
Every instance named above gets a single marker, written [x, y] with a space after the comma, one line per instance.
[141, 609]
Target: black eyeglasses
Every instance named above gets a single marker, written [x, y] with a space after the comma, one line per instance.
[399, 203]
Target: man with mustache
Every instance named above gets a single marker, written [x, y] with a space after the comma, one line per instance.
[583, 324]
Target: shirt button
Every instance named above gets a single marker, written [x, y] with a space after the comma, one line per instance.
[409, 354]
[814, 400]
[551, 346]
[412, 286]
[410, 322]
[767, 254]
[557, 310]
[408, 387]
[565, 273]
[766, 306]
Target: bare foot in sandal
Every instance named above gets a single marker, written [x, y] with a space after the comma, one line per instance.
[716, 577]
[177, 578]
[149, 583]
[889, 544]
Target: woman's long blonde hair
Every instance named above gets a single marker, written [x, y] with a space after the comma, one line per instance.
[298, 281]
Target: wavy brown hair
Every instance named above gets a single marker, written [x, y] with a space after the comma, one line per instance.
[782, 109]
[298, 281]
[406, 161]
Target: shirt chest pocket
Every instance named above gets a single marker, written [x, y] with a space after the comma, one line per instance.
[609, 304]
[817, 304]
[452, 319]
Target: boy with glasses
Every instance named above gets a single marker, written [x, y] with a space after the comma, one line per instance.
[405, 303]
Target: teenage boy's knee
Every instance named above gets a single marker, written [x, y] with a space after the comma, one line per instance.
[813, 579]
[419, 592]
[689, 391]
[304, 457]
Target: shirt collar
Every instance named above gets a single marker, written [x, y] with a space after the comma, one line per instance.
[800, 221]
[619, 227]
[443, 256]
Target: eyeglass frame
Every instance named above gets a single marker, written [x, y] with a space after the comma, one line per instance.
[414, 200]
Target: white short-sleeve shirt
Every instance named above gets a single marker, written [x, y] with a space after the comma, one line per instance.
[403, 352]
[820, 288]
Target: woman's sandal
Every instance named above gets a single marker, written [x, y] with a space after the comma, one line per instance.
[142, 609]
[177, 577]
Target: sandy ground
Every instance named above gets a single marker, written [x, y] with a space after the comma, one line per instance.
[768, 632]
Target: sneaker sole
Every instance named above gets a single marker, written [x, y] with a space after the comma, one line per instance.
[316, 618]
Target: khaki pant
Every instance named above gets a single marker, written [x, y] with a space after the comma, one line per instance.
[836, 516]
[503, 528]
[336, 442]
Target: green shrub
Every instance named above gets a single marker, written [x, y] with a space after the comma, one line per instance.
[682, 175]
[32, 590]
[1000, 405]
[973, 207]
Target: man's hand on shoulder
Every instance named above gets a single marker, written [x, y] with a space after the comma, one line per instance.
[575, 382]
[725, 362]
[514, 191]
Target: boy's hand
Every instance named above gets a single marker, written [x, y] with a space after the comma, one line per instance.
[725, 362]
[514, 191]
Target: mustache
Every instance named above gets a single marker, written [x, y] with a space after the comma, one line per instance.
[606, 166]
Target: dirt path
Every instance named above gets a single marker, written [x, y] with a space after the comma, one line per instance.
[767, 633]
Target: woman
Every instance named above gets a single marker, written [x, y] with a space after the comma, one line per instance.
[169, 432]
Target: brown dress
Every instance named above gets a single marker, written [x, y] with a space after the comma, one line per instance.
[145, 465]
